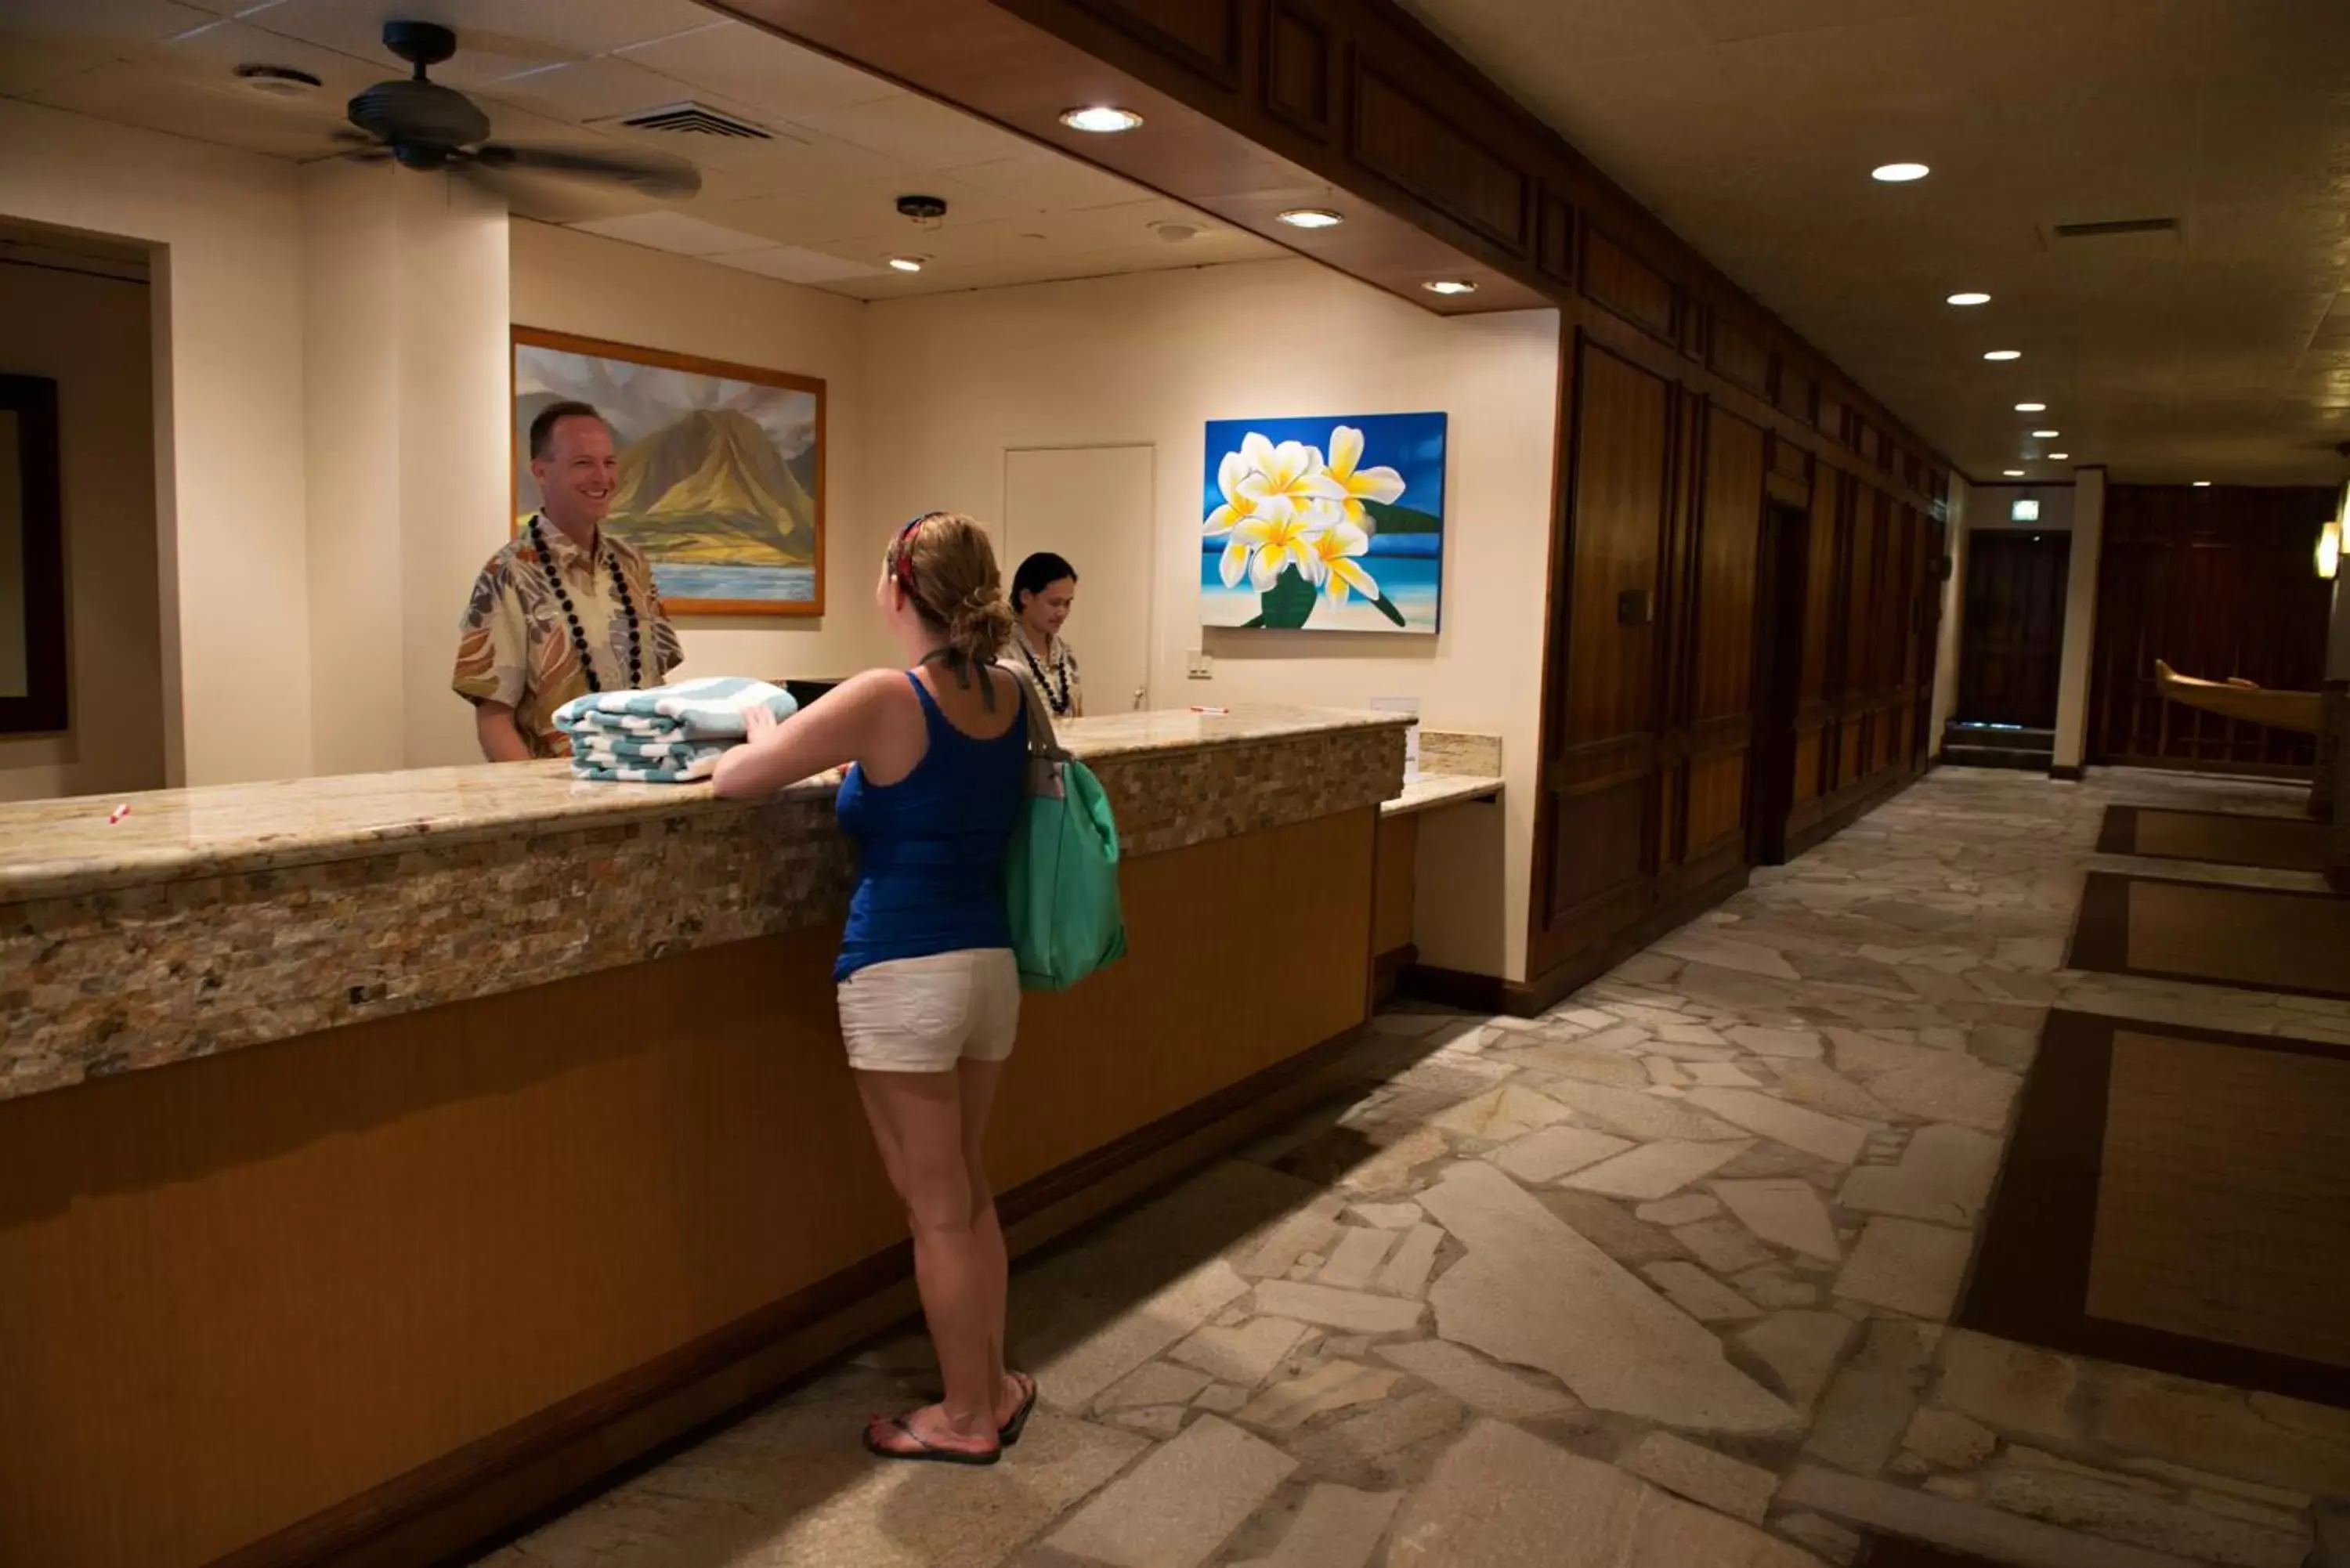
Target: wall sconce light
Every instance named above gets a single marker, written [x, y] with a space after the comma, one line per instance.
[2329, 551]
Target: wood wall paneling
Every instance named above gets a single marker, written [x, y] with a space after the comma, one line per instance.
[1297, 71]
[1740, 358]
[1615, 278]
[1203, 34]
[2012, 639]
[1555, 243]
[1401, 137]
[2219, 583]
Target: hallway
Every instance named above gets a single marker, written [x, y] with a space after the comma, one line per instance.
[1659, 1279]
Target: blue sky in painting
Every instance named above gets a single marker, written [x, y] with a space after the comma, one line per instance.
[1411, 444]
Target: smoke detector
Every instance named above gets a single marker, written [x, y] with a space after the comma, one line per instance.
[923, 211]
[277, 82]
[1176, 232]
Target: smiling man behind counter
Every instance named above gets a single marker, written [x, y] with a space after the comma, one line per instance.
[566, 609]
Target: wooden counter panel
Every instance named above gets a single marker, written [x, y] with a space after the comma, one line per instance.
[237, 1291]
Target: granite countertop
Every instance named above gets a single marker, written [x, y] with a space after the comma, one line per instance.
[58, 848]
[1430, 791]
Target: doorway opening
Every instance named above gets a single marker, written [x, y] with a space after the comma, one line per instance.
[2011, 649]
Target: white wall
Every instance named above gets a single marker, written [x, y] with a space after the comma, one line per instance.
[230, 513]
[955, 380]
[569, 282]
[1964, 500]
[90, 334]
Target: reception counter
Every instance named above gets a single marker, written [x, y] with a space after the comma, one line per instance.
[382, 1158]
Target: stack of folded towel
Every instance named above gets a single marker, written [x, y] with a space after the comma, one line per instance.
[668, 734]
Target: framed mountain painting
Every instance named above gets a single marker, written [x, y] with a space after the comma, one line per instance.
[1324, 524]
[722, 467]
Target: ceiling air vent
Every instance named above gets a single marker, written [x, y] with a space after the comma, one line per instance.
[696, 120]
[2115, 229]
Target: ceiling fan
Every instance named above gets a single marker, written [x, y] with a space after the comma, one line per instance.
[421, 124]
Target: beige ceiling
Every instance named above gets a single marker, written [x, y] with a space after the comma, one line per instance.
[1750, 126]
[815, 205]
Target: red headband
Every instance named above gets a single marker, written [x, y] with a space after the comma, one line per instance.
[901, 559]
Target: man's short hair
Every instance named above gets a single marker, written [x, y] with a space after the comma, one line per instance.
[541, 427]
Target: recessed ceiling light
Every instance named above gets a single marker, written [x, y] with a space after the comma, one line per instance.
[2046, 435]
[2004, 354]
[1450, 285]
[1968, 299]
[907, 264]
[1100, 118]
[2031, 408]
[2058, 456]
[2012, 473]
[2202, 485]
[1313, 218]
[1898, 173]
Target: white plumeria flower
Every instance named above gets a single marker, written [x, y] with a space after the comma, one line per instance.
[1264, 545]
[1356, 484]
[1288, 482]
[1336, 548]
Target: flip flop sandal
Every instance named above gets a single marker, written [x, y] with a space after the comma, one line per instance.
[924, 1452]
[1009, 1433]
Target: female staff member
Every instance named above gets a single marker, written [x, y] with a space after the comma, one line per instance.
[1042, 589]
[930, 996]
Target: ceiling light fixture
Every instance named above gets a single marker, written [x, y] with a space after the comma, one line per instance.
[907, 263]
[2329, 551]
[277, 82]
[1100, 119]
[1970, 298]
[2004, 354]
[2031, 408]
[1898, 173]
[1450, 285]
[2059, 456]
[2202, 485]
[2012, 473]
[1313, 218]
[2046, 435]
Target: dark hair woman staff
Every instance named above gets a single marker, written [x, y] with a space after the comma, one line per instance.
[1042, 589]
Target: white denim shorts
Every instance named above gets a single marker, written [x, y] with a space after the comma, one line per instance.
[925, 1014]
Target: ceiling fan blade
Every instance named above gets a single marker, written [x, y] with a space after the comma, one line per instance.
[649, 173]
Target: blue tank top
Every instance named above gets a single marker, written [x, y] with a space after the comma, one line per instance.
[930, 848]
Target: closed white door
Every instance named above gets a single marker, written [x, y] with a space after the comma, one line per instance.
[1091, 505]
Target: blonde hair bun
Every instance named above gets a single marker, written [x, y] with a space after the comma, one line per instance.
[956, 584]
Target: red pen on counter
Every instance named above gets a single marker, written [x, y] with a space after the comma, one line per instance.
[118, 813]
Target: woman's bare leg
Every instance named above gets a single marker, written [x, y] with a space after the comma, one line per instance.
[978, 1094]
[918, 1121]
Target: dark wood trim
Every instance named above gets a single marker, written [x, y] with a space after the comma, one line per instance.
[447, 1508]
[2063, 774]
[46, 705]
[1487, 993]
[2030, 1280]
[695, 364]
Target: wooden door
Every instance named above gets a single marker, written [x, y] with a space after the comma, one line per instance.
[1598, 829]
[2012, 638]
[1714, 727]
[1782, 654]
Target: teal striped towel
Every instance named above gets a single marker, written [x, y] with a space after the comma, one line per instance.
[598, 772]
[708, 709]
[640, 750]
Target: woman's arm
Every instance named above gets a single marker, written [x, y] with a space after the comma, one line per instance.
[829, 733]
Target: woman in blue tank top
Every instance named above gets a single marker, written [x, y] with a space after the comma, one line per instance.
[930, 996]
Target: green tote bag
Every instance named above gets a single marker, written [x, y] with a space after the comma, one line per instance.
[1063, 876]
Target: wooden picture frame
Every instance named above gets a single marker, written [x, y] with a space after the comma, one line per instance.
[563, 364]
[35, 477]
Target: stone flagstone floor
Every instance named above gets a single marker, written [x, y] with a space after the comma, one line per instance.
[1659, 1279]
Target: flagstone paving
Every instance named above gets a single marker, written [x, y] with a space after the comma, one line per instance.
[1657, 1279]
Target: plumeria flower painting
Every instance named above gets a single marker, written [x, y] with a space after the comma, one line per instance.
[1324, 524]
